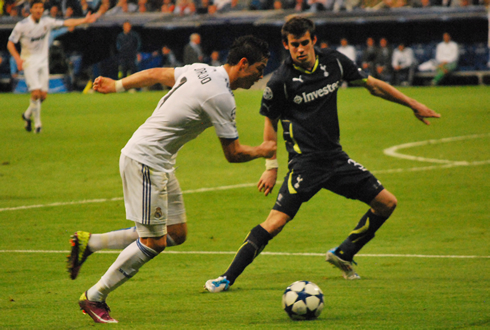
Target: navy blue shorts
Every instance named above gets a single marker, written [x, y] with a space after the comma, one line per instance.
[340, 175]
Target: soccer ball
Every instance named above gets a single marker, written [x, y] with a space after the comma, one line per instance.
[303, 300]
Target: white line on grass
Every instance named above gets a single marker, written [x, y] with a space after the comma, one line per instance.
[392, 151]
[270, 253]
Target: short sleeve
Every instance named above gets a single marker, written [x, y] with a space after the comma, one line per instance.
[221, 110]
[350, 71]
[273, 99]
[16, 34]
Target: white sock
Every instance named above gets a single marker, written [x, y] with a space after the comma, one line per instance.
[32, 105]
[126, 266]
[118, 239]
[36, 111]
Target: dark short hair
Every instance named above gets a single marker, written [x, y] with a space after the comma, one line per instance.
[250, 47]
[297, 26]
[32, 2]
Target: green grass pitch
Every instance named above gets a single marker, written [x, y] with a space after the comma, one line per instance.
[70, 174]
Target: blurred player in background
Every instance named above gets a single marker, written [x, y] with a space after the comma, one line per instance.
[201, 97]
[33, 34]
[302, 93]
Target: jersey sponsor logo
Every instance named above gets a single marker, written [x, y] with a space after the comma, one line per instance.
[312, 96]
[267, 94]
[38, 38]
[203, 75]
[298, 79]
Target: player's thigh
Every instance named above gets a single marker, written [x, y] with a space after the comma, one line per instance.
[353, 181]
[145, 192]
[176, 207]
[299, 186]
[33, 79]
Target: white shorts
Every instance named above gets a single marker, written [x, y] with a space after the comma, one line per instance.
[151, 197]
[37, 77]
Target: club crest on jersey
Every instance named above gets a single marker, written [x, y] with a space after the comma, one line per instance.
[324, 68]
[298, 181]
[267, 94]
[158, 212]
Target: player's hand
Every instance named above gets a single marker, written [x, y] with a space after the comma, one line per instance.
[20, 65]
[91, 18]
[104, 85]
[267, 181]
[421, 112]
[269, 148]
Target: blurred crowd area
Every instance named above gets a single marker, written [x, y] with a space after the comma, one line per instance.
[79, 8]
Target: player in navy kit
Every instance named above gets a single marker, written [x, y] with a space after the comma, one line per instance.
[302, 94]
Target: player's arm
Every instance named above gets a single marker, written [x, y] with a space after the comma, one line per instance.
[384, 90]
[239, 153]
[90, 18]
[15, 54]
[140, 79]
[268, 179]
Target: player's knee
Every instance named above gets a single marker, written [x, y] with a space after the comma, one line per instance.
[177, 233]
[158, 244]
[388, 206]
[180, 238]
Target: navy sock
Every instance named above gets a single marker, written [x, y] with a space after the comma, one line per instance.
[254, 243]
[360, 236]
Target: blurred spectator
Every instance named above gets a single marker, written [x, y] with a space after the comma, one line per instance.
[277, 5]
[192, 51]
[167, 56]
[301, 5]
[184, 7]
[319, 5]
[54, 12]
[383, 61]
[168, 6]
[203, 8]
[261, 4]
[14, 12]
[128, 44]
[143, 6]
[403, 63]
[421, 3]
[234, 5]
[68, 12]
[323, 44]
[71, 8]
[214, 59]
[220, 4]
[447, 55]
[123, 6]
[348, 5]
[369, 56]
[347, 50]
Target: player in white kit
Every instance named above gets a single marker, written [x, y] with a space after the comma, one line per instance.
[201, 97]
[33, 35]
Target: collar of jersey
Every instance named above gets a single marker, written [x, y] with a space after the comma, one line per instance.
[306, 71]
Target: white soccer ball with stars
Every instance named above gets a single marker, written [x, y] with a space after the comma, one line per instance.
[303, 300]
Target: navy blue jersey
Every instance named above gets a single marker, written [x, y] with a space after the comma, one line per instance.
[306, 103]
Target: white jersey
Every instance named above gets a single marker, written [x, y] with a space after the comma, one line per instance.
[200, 98]
[447, 52]
[34, 39]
